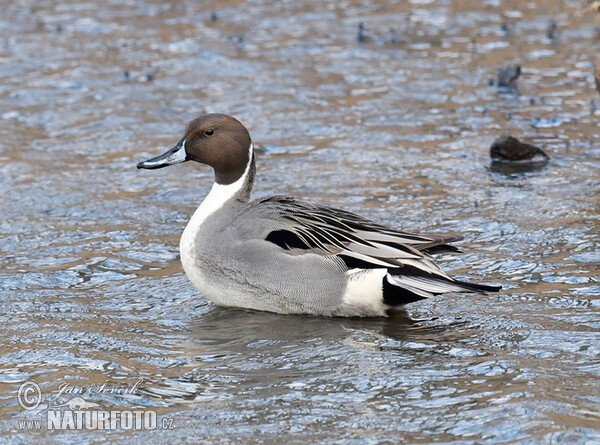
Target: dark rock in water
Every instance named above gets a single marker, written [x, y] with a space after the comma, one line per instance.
[507, 77]
[508, 28]
[362, 35]
[597, 75]
[552, 32]
[390, 38]
[510, 155]
[236, 39]
[213, 16]
[509, 148]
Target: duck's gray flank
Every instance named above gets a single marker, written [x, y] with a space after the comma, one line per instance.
[285, 255]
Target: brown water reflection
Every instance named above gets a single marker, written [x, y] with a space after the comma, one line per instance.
[396, 127]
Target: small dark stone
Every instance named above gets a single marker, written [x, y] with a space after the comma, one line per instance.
[127, 75]
[362, 35]
[508, 28]
[213, 16]
[236, 39]
[552, 30]
[507, 77]
[511, 155]
[149, 77]
[59, 28]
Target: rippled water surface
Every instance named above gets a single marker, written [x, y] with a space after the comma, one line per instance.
[396, 127]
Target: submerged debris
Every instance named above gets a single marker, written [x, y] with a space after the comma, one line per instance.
[510, 155]
[507, 77]
[236, 39]
[146, 77]
[552, 32]
[362, 35]
[507, 28]
[392, 37]
[597, 75]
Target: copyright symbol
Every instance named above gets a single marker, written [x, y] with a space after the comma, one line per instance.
[29, 395]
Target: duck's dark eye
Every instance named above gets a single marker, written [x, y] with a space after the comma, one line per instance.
[209, 132]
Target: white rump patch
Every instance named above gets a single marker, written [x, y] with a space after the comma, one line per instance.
[364, 293]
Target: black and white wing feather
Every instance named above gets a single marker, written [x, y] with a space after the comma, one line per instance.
[362, 244]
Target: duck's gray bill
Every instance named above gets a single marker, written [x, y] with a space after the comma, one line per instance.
[172, 156]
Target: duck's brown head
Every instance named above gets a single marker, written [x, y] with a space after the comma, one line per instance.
[218, 140]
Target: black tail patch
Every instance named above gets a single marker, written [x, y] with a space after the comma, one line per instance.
[397, 296]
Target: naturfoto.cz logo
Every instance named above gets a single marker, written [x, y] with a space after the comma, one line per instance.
[80, 414]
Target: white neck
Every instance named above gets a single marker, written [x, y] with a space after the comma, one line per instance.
[218, 196]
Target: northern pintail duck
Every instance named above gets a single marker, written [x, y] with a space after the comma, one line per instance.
[285, 255]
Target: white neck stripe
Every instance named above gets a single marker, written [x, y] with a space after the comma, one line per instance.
[217, 197]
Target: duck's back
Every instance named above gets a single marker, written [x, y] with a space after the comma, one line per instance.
[229, 259]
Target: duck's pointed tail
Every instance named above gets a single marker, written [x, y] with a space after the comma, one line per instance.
[409, 284]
